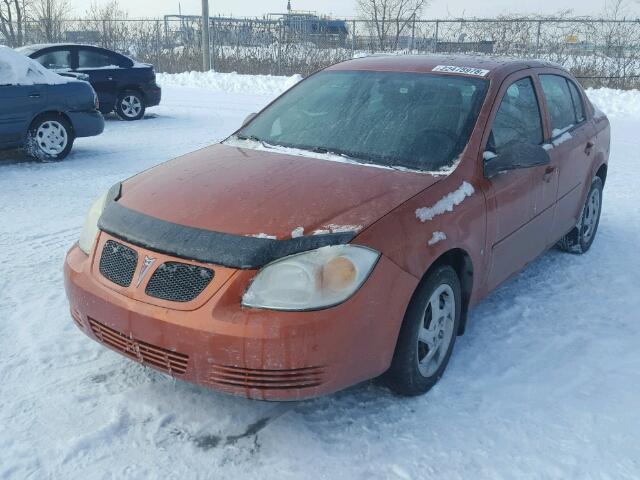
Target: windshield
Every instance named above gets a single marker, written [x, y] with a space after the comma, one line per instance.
[396, 119]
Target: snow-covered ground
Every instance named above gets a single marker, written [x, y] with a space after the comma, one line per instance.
[545, 384]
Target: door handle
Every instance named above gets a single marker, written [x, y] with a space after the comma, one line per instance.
[548, 174]
[109, 78]
[588, 148]
[34, 95]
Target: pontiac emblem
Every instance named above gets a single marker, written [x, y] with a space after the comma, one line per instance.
[146, 266]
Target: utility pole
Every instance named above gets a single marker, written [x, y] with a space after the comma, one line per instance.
[206, 59]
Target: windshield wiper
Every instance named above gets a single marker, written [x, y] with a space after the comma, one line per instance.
[359, 158]
[334, 151]
[240, 136]
[253, 138]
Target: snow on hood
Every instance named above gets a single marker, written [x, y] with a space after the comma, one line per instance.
[269, 194]
[18, 69]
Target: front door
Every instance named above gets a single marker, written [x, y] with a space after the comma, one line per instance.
[520, 202]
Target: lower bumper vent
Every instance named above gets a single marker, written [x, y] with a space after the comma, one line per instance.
[160, 358]
[234, 377]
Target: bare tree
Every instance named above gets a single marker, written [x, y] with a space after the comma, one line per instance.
[49, 17]
[389, 19]
[109, 18]
[12, 17]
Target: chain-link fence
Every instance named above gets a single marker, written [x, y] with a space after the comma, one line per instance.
[598, 52]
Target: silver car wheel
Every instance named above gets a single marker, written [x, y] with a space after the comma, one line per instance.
[436, 330]
[51, 137]
[131, 106]
[590, 215]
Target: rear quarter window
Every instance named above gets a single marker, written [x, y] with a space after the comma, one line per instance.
[97, 59]
[578, 104]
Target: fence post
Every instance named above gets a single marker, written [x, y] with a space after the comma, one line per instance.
[538, 38]
[353, 39]
[413, 34]
[158, 49]
[435, 38]
[213, 44]
[206, 59]
[280, 38]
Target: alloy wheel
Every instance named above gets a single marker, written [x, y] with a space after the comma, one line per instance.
[590, 215]
[436, 330]
[131, 106]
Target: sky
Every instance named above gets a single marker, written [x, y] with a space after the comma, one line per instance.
[346, 8]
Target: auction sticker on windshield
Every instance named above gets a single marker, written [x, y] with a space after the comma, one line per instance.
[479, 72]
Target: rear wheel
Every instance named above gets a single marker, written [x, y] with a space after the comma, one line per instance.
[130, 105]
[427, 335]
[580, 239]
[50, 138]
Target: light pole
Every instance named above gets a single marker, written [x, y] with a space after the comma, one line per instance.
[206, 59]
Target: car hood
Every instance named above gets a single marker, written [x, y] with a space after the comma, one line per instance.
[269, 194]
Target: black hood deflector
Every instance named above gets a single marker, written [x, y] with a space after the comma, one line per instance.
[233, 251]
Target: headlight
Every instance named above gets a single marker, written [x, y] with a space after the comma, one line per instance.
[90, 228]
[311, 280]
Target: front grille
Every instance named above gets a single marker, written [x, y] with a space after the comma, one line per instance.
[226, 376]
[178, 282]
[118, 263]
[160, 358]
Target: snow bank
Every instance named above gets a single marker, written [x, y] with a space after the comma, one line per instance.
[230, 82]
[18, 69]
[616, 103]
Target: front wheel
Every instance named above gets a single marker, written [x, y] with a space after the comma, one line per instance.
[580, 239]
[50, 138]
[427, 335]
[130, 106]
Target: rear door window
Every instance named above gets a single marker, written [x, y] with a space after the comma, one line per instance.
[560, 103]
[55, 59]
[93, 59]
[518, 119]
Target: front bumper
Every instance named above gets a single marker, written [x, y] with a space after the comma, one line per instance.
[87, 124]
[260, 354]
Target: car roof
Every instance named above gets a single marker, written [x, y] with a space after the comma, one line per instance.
[42, 46]
[496, 65]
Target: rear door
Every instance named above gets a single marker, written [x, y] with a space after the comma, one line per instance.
[18, 105]
[570, 143]
[103, 68]
[518, 219]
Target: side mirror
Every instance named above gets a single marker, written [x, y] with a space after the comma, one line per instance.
[515, 157]
[250, 117]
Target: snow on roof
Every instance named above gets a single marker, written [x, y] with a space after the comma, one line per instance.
[18, 69]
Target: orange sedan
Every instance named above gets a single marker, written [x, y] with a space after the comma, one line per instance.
[345, 231]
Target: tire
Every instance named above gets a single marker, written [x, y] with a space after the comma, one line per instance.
[130, 105]
[416, 367]
[580, 239]
[50, 138]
